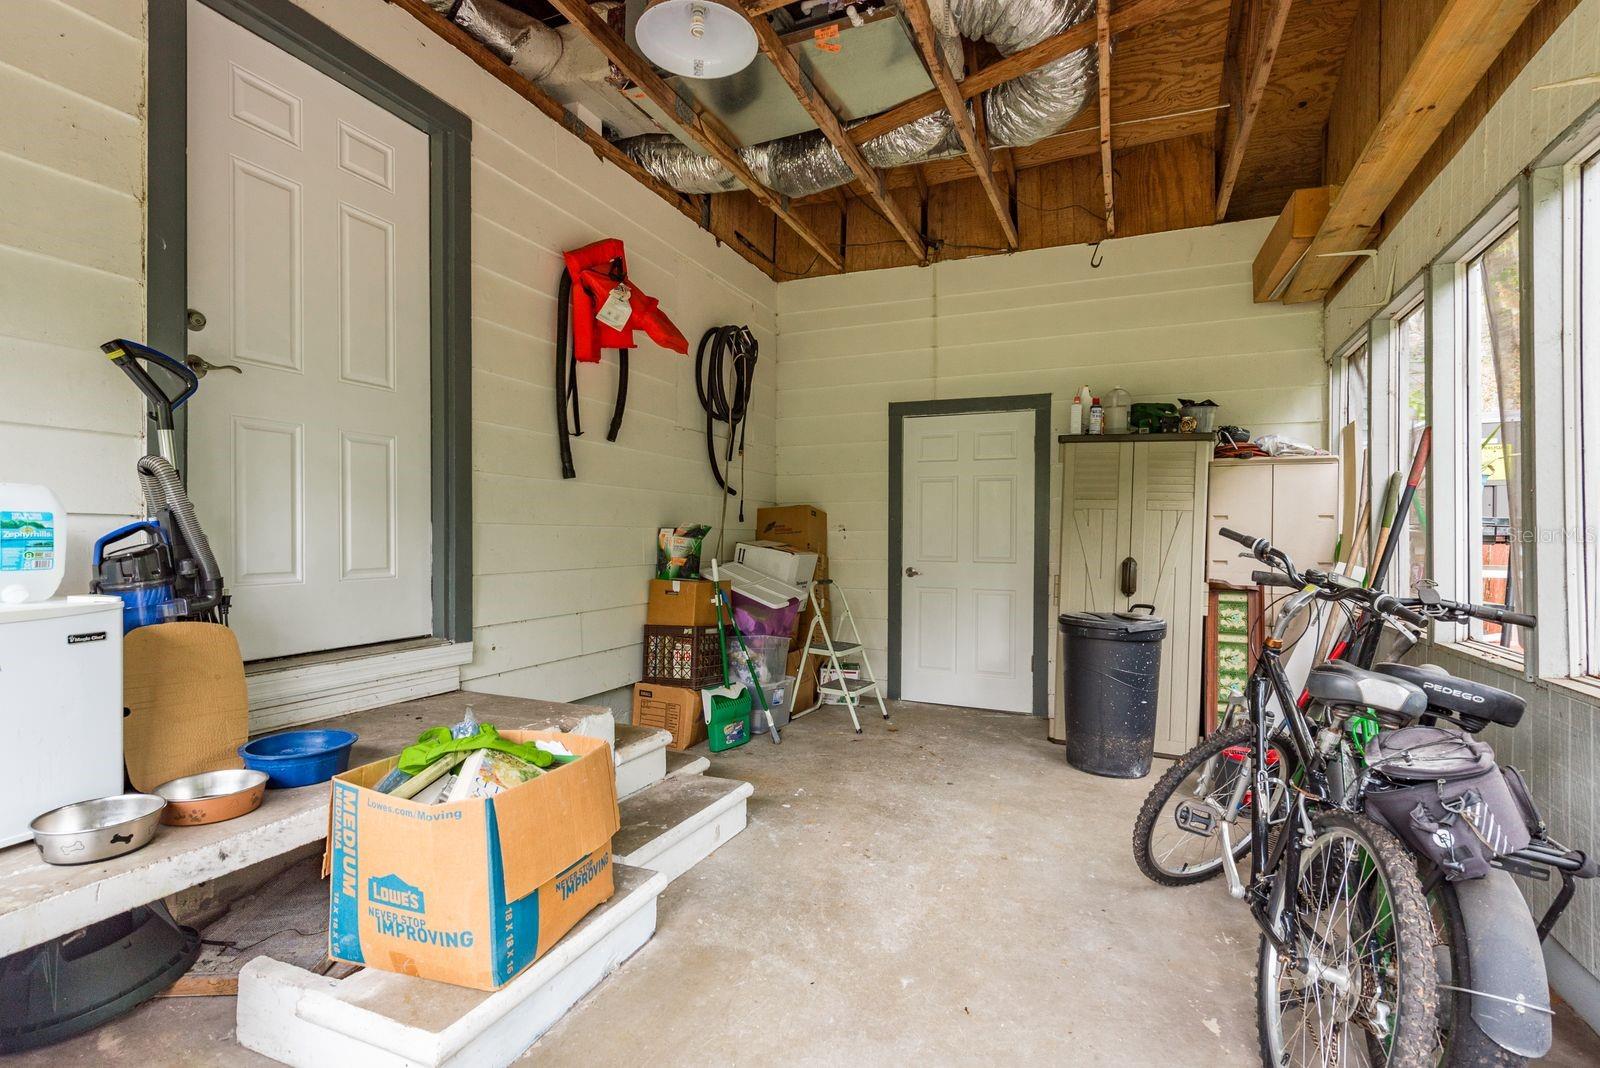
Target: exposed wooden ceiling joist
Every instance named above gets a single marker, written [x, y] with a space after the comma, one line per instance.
[869, 177]
[1128, 15]
[1102, 18]
[480, 54]
[916, 13]
[700, 125]
[1253, 47]
[1466, 37]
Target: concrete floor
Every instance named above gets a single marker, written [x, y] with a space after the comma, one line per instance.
[945, 893]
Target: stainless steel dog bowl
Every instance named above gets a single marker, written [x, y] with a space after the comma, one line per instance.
[97, 830]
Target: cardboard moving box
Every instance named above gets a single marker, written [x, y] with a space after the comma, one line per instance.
[471, 892]
[799, 525]
[682, 603]
[675, 709]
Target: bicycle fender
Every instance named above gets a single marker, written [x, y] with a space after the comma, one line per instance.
[1507, 962]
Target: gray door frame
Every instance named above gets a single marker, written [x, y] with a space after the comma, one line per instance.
[1039, 404]
[449, 135]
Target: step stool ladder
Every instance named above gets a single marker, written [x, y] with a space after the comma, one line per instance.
[850, 691]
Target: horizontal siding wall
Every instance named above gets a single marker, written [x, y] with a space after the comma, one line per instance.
[1558, 742]
[560, 568]
[72, 143]
[1165, 315]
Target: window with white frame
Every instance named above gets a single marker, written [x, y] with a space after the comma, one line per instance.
[1491, 410]
[1410, 413]
[1355, 408]
[1587, 323]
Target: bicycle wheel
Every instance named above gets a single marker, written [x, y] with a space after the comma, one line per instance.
[1177, 839]
[1364, 987]
[1462, 1043]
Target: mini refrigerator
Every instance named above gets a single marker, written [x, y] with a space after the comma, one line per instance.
[60, 707]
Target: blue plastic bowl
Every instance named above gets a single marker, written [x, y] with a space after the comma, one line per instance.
[299, 758]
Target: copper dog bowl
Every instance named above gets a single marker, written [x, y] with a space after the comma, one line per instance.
[212, 796]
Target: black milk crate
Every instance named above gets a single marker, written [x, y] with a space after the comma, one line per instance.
[682, 656]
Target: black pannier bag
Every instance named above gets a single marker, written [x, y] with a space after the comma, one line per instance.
[1441, 792]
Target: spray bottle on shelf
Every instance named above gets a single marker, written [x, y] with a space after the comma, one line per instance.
[1097, 417]
[1080, 408]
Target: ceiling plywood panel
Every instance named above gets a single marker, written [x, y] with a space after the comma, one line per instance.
[1174, 64]
[795, 258]
[1166, 185]
[872, 241]
[1061, 203]
[961, 221]
[1286, 149]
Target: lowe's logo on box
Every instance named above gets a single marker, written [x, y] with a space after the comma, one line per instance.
[395, 892]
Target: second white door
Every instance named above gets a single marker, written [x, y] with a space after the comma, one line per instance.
[966, 593]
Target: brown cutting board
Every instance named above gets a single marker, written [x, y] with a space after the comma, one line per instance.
[183, 686]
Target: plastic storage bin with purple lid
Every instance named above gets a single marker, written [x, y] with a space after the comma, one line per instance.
[299, 758]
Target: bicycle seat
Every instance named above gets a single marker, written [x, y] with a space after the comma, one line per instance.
[1473, 704]
[1340, 683]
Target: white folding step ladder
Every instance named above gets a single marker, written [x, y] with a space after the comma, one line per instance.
[850, 691]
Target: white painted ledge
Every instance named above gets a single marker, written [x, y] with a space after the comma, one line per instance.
[383, 1019]
[301, 693]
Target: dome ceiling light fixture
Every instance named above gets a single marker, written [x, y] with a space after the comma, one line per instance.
[696, 38]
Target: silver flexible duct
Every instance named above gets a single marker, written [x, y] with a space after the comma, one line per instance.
[1019, 112]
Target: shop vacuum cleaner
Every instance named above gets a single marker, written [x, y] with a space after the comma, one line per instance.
[173, 574]
[72, 984]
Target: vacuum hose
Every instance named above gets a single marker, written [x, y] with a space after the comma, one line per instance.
[725, 373]
[164, 489]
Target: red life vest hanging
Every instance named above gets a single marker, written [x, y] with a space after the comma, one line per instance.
[603, 308]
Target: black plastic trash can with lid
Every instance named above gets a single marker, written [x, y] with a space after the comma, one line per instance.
[1111, 665]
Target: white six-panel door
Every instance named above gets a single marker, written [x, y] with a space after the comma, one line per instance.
[308, 256]
[966, 597]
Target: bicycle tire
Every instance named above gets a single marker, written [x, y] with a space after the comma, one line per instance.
[1414, 1041]
[1150, 812]
[1462, 1043]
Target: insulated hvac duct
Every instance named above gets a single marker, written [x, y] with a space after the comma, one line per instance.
[1019, 112]
[548, 56]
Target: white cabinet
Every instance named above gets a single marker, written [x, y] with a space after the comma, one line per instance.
[1292, 501]
[1132, 532]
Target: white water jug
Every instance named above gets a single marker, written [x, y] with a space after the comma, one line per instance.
[33, 543]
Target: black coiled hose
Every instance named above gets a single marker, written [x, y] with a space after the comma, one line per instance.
[724, 377]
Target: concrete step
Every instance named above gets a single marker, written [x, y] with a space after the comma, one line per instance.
[641, 754]
[681, 763]
[381, 1018]
[679, 821]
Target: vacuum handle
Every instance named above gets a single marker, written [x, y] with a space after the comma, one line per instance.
[149, 525]
[127, 354]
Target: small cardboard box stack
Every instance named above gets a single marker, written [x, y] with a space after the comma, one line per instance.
[804, 528]
[676, 709]
[471, 892]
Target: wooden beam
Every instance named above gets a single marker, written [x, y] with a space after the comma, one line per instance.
[1286, 245]
[822, 114]
[760, 8]
[480, 54]
[1102, 18]
[701, 126]
[1249, 65]
[916, 13]
[1466, 37]
[1130, 14]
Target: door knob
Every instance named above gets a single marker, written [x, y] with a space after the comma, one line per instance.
[912, 572]
[200, 366]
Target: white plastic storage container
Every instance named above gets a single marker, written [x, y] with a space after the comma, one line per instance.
[33, 543]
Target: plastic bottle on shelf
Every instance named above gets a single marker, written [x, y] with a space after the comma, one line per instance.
[1117, 411]
[1075, 423]
[1097, 418]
